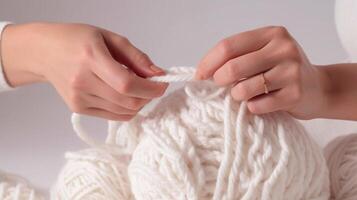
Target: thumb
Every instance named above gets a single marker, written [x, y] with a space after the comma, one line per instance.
[127, 54]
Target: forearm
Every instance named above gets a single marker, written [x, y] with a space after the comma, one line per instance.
[340, 85]
[15, 43]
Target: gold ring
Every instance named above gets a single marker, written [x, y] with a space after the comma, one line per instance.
[265, 83]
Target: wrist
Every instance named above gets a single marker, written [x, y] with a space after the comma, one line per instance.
[341, 91]
[326, 91]
[16, 56]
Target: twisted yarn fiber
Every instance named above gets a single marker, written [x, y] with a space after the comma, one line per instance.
[341, 156]
[15, 188]
[197, 144]
[93, 174]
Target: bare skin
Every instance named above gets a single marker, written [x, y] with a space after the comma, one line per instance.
[100, 73]
[304, 90]
[95, 71]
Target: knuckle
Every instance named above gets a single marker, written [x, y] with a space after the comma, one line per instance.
[232, 69]
[287, 49]
[242, 91]
[123, 41]
[290, 48]
[95, 32]
[125, 85]
[218, 80]
[77, 82]
[224, 48]
[279, 31]
[86, 55]
[235, 95]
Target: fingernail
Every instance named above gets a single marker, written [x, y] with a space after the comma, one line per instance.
[156, 69]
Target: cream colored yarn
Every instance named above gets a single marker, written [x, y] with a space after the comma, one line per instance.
[96, 173]
[197, 144]
[341, 156]
[93, 174]
[13, 187]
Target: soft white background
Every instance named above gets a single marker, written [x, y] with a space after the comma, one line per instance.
[35, 130]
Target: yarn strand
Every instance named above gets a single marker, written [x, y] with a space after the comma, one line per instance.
[199, 144]
[174, 74]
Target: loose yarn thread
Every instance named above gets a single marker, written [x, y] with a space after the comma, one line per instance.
[197, 144]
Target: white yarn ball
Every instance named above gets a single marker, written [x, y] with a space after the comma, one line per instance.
[341, 156]
[198, 144]
[13, 187]
[192, 147]
[93, 174]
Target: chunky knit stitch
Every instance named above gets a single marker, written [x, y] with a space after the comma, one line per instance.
[13, 187]
[197, 144]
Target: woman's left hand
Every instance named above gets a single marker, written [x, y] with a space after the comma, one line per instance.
[247, 59]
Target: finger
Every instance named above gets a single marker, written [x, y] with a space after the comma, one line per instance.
[247, 65]
[232, 47]
[124, 81]
[135, 86]
[106, 115]
[99, 103]
[278, 100]
[276, 78]
[104, 91]
[126, 53]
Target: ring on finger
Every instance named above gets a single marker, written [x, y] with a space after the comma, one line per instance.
[265, 84]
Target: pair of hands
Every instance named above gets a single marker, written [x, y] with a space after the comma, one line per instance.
[100, 73]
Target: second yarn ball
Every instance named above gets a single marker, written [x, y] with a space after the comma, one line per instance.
[341, 156]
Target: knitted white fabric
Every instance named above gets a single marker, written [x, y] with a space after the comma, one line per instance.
[3, 83]
[341, 156]
[197, 144]
[13, 187]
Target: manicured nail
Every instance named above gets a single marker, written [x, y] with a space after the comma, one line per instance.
[157, 69]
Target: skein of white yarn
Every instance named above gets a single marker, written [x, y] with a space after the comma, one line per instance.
[13, 187]
[341, 156]
[198, 144]
[98, 173]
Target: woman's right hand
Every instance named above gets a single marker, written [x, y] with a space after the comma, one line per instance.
[267, 68]
[96, 72]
